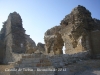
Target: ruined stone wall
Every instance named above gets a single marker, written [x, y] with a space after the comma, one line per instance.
[14, 32]
[18, 34]
[2, 52]
[8, 41]
[30, 45]
[37, 60]
[40, 48]
[66, 59]
[75, 30]
[2, 44]
[53, 41]
[34, 62]
[95, 42]
[13, 40]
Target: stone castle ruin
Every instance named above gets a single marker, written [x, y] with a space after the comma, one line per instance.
[78, 32]
[13, 40]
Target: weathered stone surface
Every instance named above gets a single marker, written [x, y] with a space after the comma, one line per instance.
[53, 41]
[40, 48]
[2, 51]
[13, 40]
[76, 32]
[95, 42]
[49, 63]
[2, 43]
[18, 34]
[34, 63]
[76, 27]
[30, 45]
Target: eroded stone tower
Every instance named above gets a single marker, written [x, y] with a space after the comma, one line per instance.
[12, 38]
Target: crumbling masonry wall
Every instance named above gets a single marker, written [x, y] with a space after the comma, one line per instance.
[55, 44]
[77, 30]
[13, 40]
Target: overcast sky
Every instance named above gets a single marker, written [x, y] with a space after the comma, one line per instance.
[40, 15]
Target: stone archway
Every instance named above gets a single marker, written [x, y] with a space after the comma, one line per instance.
[54, 44]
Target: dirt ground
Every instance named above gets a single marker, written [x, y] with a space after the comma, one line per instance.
[3, 69]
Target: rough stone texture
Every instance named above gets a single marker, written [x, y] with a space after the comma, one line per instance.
[18, 34]
[2, 45]
[76, 31]
[95, 43]
[2, 51]
[53, 41]
[66, 59]
[14, 37]
[34, 62]
[40, 61]
[30, 45]
[76, 27]
[13, 40]
[40, 48]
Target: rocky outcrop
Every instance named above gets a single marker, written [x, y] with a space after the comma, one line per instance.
[13, 40]
[76, 30]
